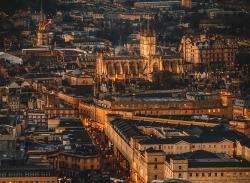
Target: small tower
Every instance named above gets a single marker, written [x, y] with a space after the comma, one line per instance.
[186, 3]
[147, 42]
[43, 36]
[40, 27]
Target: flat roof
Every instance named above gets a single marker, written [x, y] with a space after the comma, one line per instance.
[70, 122]
[147, 99]
[205, 159]
[194, 118]
[197, 134]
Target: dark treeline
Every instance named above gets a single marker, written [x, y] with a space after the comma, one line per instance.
[11, 6]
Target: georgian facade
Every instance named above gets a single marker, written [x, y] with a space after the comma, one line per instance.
[73, 164]
[208, 50]
[203, 161]
[28, 174]
[98, 109]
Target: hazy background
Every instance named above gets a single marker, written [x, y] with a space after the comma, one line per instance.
[10, 6]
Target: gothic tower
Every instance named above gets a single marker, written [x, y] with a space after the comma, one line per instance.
[147, 42]
[40, 27]
[43, 36]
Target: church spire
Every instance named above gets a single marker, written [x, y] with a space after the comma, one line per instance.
[41, 12]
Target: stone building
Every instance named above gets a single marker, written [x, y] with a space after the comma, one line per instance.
[78, 78]
[74, 152]
[203, 155]
[241, 108]
[14, 103]
[79, 152]
[215, 50]
[153, 106]
[128, 67]
[202, 166]
[16, 167]
[186, 3]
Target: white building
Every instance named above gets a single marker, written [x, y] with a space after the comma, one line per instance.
[10, 58]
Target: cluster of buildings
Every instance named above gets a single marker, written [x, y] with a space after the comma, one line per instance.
[103, 95]
[126, 67]
[156, 150]
[217, 51]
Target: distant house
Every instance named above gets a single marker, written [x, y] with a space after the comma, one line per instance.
[10, 58]
[78, 77]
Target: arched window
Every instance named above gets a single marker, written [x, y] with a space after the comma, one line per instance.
[117, 68]
[126, 69]
[134, 68]
[141, 67]
[155, 67]
[109, 68]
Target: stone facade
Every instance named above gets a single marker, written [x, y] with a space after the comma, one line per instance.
[132, 67]
[214, 50]
[186, 3]
[154, 161]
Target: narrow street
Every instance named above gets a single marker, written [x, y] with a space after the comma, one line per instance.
[110, 165]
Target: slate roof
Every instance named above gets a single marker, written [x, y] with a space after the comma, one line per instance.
[129, 128]
[205, 159]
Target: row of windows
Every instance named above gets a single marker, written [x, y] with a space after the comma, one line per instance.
[75, 166]
[62, 111]
[212, 146]
[180, 147]
[170, 147]
[206, 174]
[210, 51]
[39, 121]
[24, 174]
[204, 53]
[184, 111]
[71, 158]
[219, 59]
[37, 117]
[217, 174]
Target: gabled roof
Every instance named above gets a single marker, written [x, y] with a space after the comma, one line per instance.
[13, 85]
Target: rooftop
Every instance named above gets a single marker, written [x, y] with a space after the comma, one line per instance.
[77, 141]
[194, 134]
[70, 122]
[146, 99]
[203, 159]
[194, 118]
[126, 130]
[73, 140]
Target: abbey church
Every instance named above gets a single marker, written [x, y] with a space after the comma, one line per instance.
[140, 66]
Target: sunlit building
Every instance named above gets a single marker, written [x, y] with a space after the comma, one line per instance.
[186, 3]
[124, 67]
[215, 50]
[202, 103]
[78, 78]
[156, 150]
[14, 167]
[241, 108]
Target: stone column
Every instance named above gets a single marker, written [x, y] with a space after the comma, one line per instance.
[113, 69]
[121, 69]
